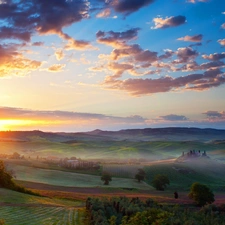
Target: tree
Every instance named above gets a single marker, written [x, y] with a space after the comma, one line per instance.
[15, 155]
[5, 177]
[106, 177]
[160, 182]
[201, 194]
[140, 175]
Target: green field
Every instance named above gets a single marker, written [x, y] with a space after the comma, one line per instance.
[24, 215]
[113, 150]
[69, 179]
[183, 174]
[22, 209]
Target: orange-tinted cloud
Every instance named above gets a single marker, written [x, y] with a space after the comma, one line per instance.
[37, 119]
[59, 54]
[138, 87]
[104, 14]
[222, 41]
[215, 56]
[195, 38]
[13, 63]
[172, 21]
[56, 68]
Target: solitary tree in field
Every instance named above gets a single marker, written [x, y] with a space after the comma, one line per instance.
[201, 194]
[140, 175]
[160, 182]
[106, 177]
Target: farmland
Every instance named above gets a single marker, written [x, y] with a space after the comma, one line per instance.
[69, 179]
[119, 153]
[146, 144]
[22, 209]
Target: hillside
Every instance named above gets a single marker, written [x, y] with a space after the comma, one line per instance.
[22, 209]
[147, 134]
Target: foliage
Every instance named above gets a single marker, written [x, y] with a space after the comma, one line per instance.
[124, 211]
[201, 194]
[160, 182]
[6, 181]
[106, 177]
[140, 175]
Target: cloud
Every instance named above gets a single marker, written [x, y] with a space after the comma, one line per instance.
[67, 119]
[215, 114]
[59, 54]
[215, 56]
[104, 14]
[139, 87]
[195, 38]
[38, 43]
[185, 54]
[194, 1]
[173, 117]
[167, 54]
[119, 69]
[14, 33]
[56, 68]
[223, 26]
[14, 63]
[117, 39]
[129, 6]
[172, 21]
[222, 41]
[24, 19]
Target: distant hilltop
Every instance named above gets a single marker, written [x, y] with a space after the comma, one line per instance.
[147, 134]
[192, 154]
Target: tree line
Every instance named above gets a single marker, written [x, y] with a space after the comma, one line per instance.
[125, 211]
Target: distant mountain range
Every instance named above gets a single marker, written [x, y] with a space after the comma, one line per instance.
[147, 134]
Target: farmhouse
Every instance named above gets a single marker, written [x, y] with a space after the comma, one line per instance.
[192, 154]
[77, 163]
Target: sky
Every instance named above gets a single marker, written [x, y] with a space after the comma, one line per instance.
[80, 65]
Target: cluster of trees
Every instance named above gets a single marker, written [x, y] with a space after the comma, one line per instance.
[107, 177]
[124, 211]
[200, 193]
[6, 181]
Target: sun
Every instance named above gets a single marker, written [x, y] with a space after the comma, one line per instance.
[8, 124]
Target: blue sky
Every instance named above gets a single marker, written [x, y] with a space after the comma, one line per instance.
[80, 65]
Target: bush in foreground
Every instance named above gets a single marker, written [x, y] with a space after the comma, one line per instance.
[125, 211]
[201, 194]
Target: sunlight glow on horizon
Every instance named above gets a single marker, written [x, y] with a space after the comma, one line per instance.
[17, 124]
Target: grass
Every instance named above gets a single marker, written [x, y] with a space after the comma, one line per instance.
[182, 175]
[41, 215]
[151, 150]
[69, 179]
[9, 196]
[120, 170]
[22, 209]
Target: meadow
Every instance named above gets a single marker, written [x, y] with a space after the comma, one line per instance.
[111, 150]
[119, 154]
[22, 209]
[70, 179]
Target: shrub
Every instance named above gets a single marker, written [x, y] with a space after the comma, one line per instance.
[201, 194]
